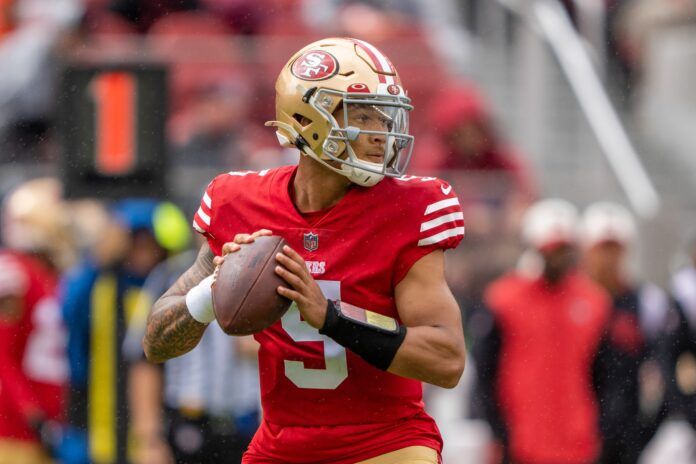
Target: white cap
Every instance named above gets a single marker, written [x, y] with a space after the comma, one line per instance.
[550, 221]
[607, 222]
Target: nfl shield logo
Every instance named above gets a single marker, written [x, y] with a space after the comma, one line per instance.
[311, 241]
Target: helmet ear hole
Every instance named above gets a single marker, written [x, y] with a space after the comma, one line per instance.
[302, 120]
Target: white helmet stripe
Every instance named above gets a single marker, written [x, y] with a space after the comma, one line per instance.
[382, 62]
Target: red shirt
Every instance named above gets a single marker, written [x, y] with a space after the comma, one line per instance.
[33, 366]
[315, 394]
[549, 335]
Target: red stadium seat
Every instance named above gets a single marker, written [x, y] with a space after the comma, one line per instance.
[191, 36]
[107, 23]
[201, 49]
[187, 80]
[190, 23]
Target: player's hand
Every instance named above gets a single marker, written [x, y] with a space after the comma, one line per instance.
[304, 290]
[236, 244]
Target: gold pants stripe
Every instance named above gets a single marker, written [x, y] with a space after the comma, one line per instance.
[410, 455]
[21, 452]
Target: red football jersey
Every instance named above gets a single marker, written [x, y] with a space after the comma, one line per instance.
[33, 365]
[321, 402]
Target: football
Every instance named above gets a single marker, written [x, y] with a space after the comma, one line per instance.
[245, 299]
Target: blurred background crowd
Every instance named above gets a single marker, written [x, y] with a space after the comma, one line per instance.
[565, 126]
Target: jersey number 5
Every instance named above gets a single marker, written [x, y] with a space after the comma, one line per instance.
[336, 370]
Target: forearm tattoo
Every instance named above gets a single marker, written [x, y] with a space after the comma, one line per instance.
[171, 331]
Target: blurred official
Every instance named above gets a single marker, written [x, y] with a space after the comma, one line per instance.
[627, 375]
[535, 359]
[100, 297]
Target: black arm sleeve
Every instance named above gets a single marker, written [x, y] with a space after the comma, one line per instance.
[374, 342]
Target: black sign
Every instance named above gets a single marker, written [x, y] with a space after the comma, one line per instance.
[112, 119]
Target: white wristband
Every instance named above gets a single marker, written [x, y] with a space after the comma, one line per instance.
[199, 301]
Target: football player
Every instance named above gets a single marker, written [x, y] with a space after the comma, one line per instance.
[373, 316]
[33, 363]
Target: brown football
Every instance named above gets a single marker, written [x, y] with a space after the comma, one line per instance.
[245, 299]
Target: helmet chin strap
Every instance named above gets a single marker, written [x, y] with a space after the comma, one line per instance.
[360, 176]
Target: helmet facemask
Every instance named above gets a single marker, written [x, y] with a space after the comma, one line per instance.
[368, 115]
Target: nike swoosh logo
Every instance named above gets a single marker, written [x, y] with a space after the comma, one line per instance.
[446, 190]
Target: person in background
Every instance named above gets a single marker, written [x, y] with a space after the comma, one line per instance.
[30, 34]
[468, 140]
[99, 298]
[33, 365]
[535, 356]
[210, 395]
[142, 14]
[210, 129]
[627, 376]
[678, 353]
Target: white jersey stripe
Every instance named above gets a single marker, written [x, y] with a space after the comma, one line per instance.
[441, 236]
[207, 201]
[201, 214]
[197, 227]
[441, 205]
[441, 220]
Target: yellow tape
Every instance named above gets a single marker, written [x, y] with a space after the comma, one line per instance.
[101, 397]
[380, 320]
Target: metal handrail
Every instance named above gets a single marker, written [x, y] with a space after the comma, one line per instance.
[551, 21]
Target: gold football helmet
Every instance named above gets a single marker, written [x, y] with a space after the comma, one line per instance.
[36, 219]
[351, 75]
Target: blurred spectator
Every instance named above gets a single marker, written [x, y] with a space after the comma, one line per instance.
[33, 365]
[637, 21]
[27, 96]
[243, 16]
[144, 13]
[627, 376]
[679, 349]
[99, 298]
[379, 20]
[536, 349]
[210, 130]
[468, 140]
[210, 395]
[374, 21]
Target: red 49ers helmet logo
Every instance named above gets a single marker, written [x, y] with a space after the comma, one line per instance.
[315, 65]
